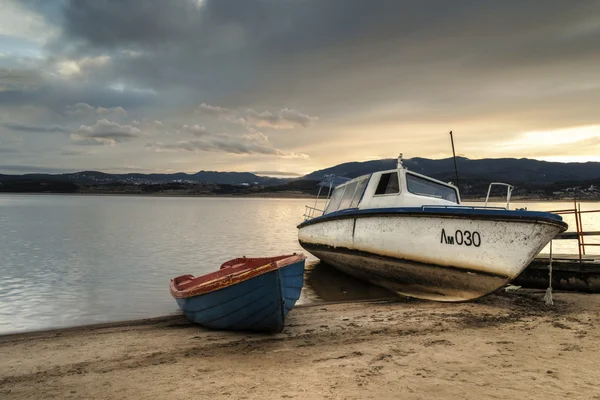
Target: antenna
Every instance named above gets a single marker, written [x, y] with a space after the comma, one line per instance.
[454, 155]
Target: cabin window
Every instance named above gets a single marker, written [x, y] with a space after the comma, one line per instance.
[388, 184]
[425, 187]
[348, 195]
[358, 193]
[335, 199]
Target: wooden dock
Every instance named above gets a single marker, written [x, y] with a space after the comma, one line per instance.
[576, 272]
[586, 258]
[568, 273]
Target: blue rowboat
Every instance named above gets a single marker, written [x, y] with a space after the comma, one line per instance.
[253, 294]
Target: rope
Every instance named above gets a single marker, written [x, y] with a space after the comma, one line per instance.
[548, 296]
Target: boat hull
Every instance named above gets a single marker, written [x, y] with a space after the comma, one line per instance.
[436, 256]
[260, 303]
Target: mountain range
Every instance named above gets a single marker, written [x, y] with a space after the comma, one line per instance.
[99, 178]
[510, 170]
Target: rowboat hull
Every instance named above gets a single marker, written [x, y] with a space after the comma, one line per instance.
[441, 255]
[258, 303]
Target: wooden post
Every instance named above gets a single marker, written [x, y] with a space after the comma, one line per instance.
[581, 228]
[577, 226]
[454, 155]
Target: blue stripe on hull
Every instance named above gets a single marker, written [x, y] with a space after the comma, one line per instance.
[260, 303]
[452, 211]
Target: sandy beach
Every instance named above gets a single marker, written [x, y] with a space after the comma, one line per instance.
[508, 345]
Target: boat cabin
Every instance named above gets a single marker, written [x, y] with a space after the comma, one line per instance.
[386, 189]
[393, 188]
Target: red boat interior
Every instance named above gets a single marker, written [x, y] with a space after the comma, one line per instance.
[229, 269]
[252, 262]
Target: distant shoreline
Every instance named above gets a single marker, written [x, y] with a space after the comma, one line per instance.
[285, 195]
[247, 195]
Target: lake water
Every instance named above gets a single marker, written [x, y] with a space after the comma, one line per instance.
[72, 260]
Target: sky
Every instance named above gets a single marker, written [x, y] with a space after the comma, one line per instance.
[286, 87]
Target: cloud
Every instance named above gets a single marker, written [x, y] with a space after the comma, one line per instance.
[228, 144]
[73, 152]
[105, 132]
[69, 68]
[148, 124]
[35, 129]
[17, 21]
[86, 110]
[296, 117]
[215, 110]
[256, 137]
[196, 130]
[37, 91]
[284, 119]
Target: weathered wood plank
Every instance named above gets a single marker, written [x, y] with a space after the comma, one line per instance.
[567, 273]
[573, 235]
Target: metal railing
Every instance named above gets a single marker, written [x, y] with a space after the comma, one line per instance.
[309, 212]
[579, 234]
[509, 189]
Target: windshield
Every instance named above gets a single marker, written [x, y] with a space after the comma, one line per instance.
[347, 196]
[425, 187]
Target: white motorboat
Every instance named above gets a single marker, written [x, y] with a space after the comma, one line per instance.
[409, 233]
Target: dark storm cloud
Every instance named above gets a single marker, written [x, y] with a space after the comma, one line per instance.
[272, 25]
[115, 23]
[236, 52]
[341, 51]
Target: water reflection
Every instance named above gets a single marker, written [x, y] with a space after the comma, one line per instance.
[323, 283]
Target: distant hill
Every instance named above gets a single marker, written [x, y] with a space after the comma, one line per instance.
[101, 178]
[510, 170]
[530, 177]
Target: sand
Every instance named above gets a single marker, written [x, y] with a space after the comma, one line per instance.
[505, 346]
